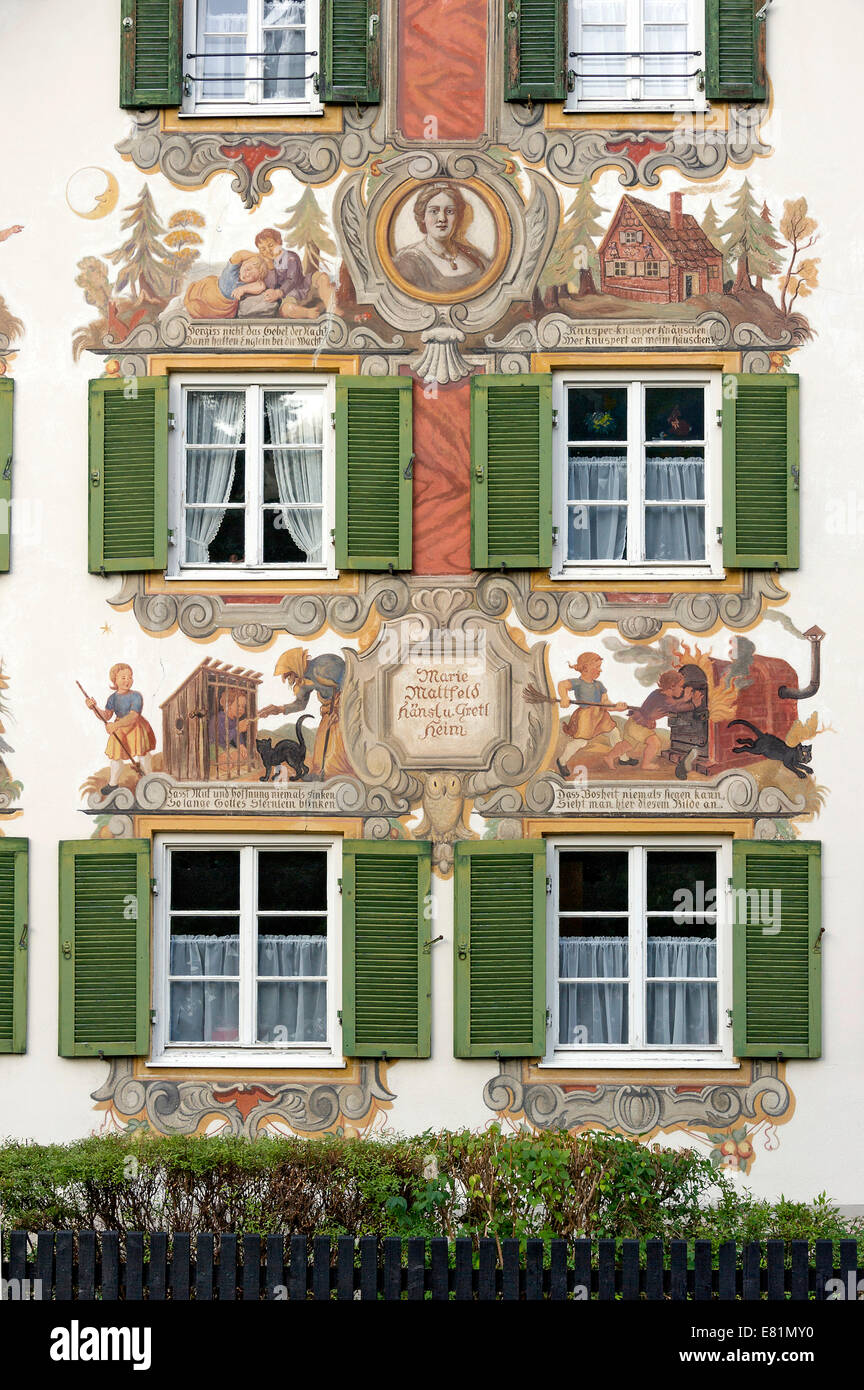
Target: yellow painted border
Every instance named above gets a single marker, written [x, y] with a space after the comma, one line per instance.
[329, 123]
[715, 119]
[342, 364]
[385, 250]
[540, 826]
[631, 357]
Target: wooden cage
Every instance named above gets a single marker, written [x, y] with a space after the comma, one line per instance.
[210, 723]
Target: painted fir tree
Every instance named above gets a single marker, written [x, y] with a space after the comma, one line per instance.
[711, 228]
[306, 230]
[748, 239]
[145, 265]
[771, 241]
[573, 257]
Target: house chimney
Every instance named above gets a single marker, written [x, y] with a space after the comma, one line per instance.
[675, 215]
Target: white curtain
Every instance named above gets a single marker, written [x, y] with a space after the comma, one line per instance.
[222, 36]
[289, 1010]
[297, 469]
[603, 32]
[597, 533]
[284, 38]
[674, 532]
[679, 1011]
[213, 418]
[666, 34]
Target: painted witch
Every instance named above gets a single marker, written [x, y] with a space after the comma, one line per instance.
[323, 676]
[443, 261]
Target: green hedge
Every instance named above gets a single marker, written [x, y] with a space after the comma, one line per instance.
[446, 1183]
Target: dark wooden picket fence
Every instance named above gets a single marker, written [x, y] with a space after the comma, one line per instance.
[63, 1265]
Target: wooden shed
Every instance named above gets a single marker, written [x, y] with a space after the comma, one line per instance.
[210, 723]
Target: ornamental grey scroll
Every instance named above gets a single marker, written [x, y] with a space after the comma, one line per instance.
[460, 281]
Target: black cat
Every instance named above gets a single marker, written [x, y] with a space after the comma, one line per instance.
[770, 746]
[288, 750]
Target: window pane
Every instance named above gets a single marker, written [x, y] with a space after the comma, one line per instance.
[596, 533]
[666, 12]
[681, 1015]
[292, 880]
[602, 954]
[207, 880]
[592, 881]
[675, 534]
[676, 476]
[292, 947]
[292, 535]
[692, 956]
[215, 536]
[592, 1014]
[224, 16]
[675, 412]
[285, 72]
[205, 1011]
[292, 1013]
[681, 878]
[204, 945]
[294, 417]
[596, 413]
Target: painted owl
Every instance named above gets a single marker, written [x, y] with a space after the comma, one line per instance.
[443, 805]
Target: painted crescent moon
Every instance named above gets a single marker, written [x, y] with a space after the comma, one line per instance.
[80, 190]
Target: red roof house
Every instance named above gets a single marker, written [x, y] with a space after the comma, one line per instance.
[656, 256]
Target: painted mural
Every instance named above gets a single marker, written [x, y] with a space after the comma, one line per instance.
[11, 327]
[10, 786]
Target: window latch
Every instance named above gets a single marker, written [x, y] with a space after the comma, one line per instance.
[427, 945]
[22, 940]
[408, 471]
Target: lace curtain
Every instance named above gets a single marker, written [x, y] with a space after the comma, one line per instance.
[679, 1012]
[297, 469]
[289, 1011]
[674, 531]
[213, 418]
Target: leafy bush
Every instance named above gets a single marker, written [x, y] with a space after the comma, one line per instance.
[552, 1184]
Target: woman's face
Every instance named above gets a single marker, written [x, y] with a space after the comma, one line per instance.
[124, 680]
[440, 217]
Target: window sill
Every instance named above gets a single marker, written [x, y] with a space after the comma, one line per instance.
[245, 1059]
[575, 573]
[638, 1061]
[228, 576]
[602, 108]
[250, 112]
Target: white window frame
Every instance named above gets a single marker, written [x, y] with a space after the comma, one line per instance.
[628, 1055]
[695, 99]
[255, 385]
[168, 1054]
[637, 568]
[195, 105]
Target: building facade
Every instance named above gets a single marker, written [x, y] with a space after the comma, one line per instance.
[431, 478]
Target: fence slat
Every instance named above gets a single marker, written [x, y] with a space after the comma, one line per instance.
[630, 1269]
[86, 1266]
[727, 1268]
[533, 1270]
[368, 1269]
[134, 1266]
[486, 1267]
[298, 1268]
[345, 1268]
[677, 1270]
[799, 1273]
[110, 1265]
[157, 1269]
[416, 1277]
[44, 1264]
[775, 1259]
[510, 1271]
[251, 1284]
[181, 1251]
[18, 1256]
[581, 1266]
[751, 1282]
[64, 1249]
[464, 1269]
[274, 1270]
[392, 1268]
[227, 1280]
[849, 1268]
[606, 1253]
[204, 1244]
[702, 1270]
[321, 1269]
[824, 1262]
[654, 1270]
[439, 1268]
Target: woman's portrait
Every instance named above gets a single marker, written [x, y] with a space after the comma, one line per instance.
[444, 240]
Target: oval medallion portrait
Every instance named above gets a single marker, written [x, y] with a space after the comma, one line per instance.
[443, 240]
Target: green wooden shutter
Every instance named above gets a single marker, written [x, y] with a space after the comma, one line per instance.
[536, 50]
[151, 53]
[7, 397]
[500, 948]
[735, 50]
[13, 945]
[349, 67]
[760, 471]
[386, 962]
[104, 948]
[373, 472]
[128, 484]
[511, 471]
[777, 975]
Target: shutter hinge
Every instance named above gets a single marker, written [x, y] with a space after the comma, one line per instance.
[172, 539]
[172, 423]
[554, 535]
[720, 418]
[316, 82]
[333, 418]
[548, 1018]
[333, 533]
[152, 1015]
[571, 80]
[719, 534]
[700, 80]
[339, 1017]
[154, 887]
[339, 884]
[728, 1018]
[796, 476]
[548, 883]
[555, 418]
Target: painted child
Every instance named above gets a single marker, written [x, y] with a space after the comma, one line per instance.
[592, 716]
[130, 737]
[640, 743]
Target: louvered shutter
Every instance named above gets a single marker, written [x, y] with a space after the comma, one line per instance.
[511, 471]
[760, 471]
[777, 1004]
[151, 53]
[7, 398]
[500, 948]
[386, 962]
[104, 947]
[128, 484]
[373, 472]
[536, 50]
[13, 945]
[349, 68]
[735, 50]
